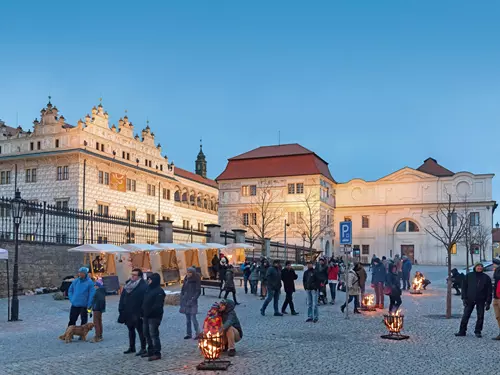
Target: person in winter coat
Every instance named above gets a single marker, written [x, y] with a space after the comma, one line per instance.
[392, 281]
[333, 279]
[263, 281]
[245, 267]
[496, 296]
[457, 280]
[288, 276]
[130, 310]
[322, 272]
[254, 277]
[354, 290]
[378, 280]
[406, 272]
[190, 292]
[229, 286]
[215, 266]
[98, 307]
[360, 270]
[231, 326]
[311, 283]
[152, 309]
[80, 294]
[476, 292]
[399, 267]
[222, 273]
[371, 262]
[273, 280]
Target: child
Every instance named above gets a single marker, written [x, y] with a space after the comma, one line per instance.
[98, 307]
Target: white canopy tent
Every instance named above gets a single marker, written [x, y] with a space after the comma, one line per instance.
[235, 252]
[4, 255]
[140, 256]
[166, 263]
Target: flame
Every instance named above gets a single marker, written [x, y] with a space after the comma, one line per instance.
[394, 321]
[368, 300]
[211, 345]
[418, 282]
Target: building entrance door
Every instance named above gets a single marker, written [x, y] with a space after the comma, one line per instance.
[409, 251]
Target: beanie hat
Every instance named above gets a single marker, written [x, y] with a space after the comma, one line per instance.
[84, 270]
[191, 269]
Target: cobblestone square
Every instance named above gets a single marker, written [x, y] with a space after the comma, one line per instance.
[271, 345]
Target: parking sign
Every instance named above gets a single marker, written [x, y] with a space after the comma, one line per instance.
[346, 233]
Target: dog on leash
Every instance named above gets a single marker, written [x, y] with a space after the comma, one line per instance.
[81, 331]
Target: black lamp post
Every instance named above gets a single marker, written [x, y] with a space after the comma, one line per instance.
[17, 208]
[286, 248]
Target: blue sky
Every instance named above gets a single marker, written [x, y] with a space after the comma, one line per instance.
[371, 86]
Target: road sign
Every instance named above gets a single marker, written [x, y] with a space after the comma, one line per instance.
[346, 233]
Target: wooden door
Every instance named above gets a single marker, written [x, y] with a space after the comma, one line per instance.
[409, 251]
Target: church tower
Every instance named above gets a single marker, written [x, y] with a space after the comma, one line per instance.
[201, 163]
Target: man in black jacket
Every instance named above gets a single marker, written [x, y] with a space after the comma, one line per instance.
[288, 276]
[476, 291]
[496, 295]
[152, 309]
[273, 280]
[311, 283]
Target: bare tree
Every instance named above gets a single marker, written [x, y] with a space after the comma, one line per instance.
[448, 228]
[264, 213]
[468, 234]
[311, 224]
[482, 237]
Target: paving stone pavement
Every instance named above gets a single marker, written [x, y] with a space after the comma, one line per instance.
[270, 344]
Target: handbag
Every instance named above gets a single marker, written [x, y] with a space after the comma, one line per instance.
[342, 287]
[387, 290]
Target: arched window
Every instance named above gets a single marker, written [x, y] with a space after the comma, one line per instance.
[184, 197]
[191, 199]
[177, 196]
[407, 226]
[212, 206]
[205, 204]
[198, 202]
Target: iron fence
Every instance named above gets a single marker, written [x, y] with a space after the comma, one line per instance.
[183, 235]
[44, 223]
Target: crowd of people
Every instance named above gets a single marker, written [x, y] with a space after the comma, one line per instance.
[142, 299]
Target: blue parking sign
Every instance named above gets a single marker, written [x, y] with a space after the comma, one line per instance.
[346, 233]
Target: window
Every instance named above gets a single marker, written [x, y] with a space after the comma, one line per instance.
[151, 190]
[365, 249]
[39, 145]
[299, 217]
[5, 178]
[291, 188]
[57, 143]
[474, 219]
[253, 218]
[191, 199]
[198, 201]
[0, 149]
[201, 227]
[453, 217]
[131, 184]
[150, 218]
[299, 188]
[62, 173]
[102, 239]
[103, 178]
[185, 224]
[291, 218]
[347, 218]
[97, 146]
[245, 219]
[177, 196]
[62, 204]
[128, 155]
[161, 167]
[131, 215]
[103, 209]
[166, 193]
[253, 190]
[149, 163]
[32, 146]
[412, 226]
[184, 197]
[365, 222]
[31, 175]
[123, 155]
[146, 162]
[407, 226]
[454, 249]
[245, 191]
[102, 147]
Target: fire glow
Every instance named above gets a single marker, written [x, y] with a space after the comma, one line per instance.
[394, 323]
[368, 302]
[211, 346]
[417, 284]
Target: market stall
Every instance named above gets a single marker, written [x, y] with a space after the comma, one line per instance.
[167, 265]
[188, 256]
[235, 253]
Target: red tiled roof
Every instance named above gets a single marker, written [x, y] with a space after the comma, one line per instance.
[496, 235]
[273, 151]
[194, 177]
[275, 161]
[432, 167]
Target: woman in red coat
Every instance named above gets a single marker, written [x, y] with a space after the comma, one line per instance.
[333, 279]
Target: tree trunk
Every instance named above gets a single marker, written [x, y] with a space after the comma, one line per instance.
[467, 259]
[448, 286]
[471, 259]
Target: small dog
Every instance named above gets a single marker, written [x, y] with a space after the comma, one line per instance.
[81, 331]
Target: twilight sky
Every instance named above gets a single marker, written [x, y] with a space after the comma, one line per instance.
[371, 86]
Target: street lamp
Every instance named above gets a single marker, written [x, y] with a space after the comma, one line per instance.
[286, 249]
[17, 208]
[303, 245]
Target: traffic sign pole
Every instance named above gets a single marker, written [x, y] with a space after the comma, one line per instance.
[346, 240]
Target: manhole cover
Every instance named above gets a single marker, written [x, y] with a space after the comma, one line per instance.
[443, 316]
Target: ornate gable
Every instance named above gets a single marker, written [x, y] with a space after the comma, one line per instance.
[406, 174]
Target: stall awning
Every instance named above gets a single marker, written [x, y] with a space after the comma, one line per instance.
[139, 247]
[240, 246]
[99, 248]
[212, 245]
[169, 246]
[4, 254]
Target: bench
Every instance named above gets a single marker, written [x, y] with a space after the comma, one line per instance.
[209, 284]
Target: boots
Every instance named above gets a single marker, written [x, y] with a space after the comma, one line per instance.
[129, 351]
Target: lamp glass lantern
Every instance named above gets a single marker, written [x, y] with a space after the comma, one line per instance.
[17, 206]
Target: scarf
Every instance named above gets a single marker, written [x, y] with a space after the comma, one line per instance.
[131, 285]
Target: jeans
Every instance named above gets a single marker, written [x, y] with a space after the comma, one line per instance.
[245, 283]
[272, 295]
[152, 334]
[253, 286]
[137, 326]
[192, 318]
[76, 312]
[356, 301]
[400, 278]
[379, 294]
[394, 303]
[333, 290]
[288, 301]
[98, 323]
[467, 313]
[406, 281]
[312, 304]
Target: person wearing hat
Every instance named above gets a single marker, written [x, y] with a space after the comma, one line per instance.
[152, 310]
[98, 307]
[80, 294]
[476, 292]
[190, 292]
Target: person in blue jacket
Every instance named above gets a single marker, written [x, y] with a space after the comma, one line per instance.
[80, 293]
[406, 272]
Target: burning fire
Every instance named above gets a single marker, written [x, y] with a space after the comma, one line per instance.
[211, 345]
[394, 321]
[418, 282]
[368, 300]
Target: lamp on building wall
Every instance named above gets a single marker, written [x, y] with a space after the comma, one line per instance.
[137, 161]
[114, 154]
[18, 206]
